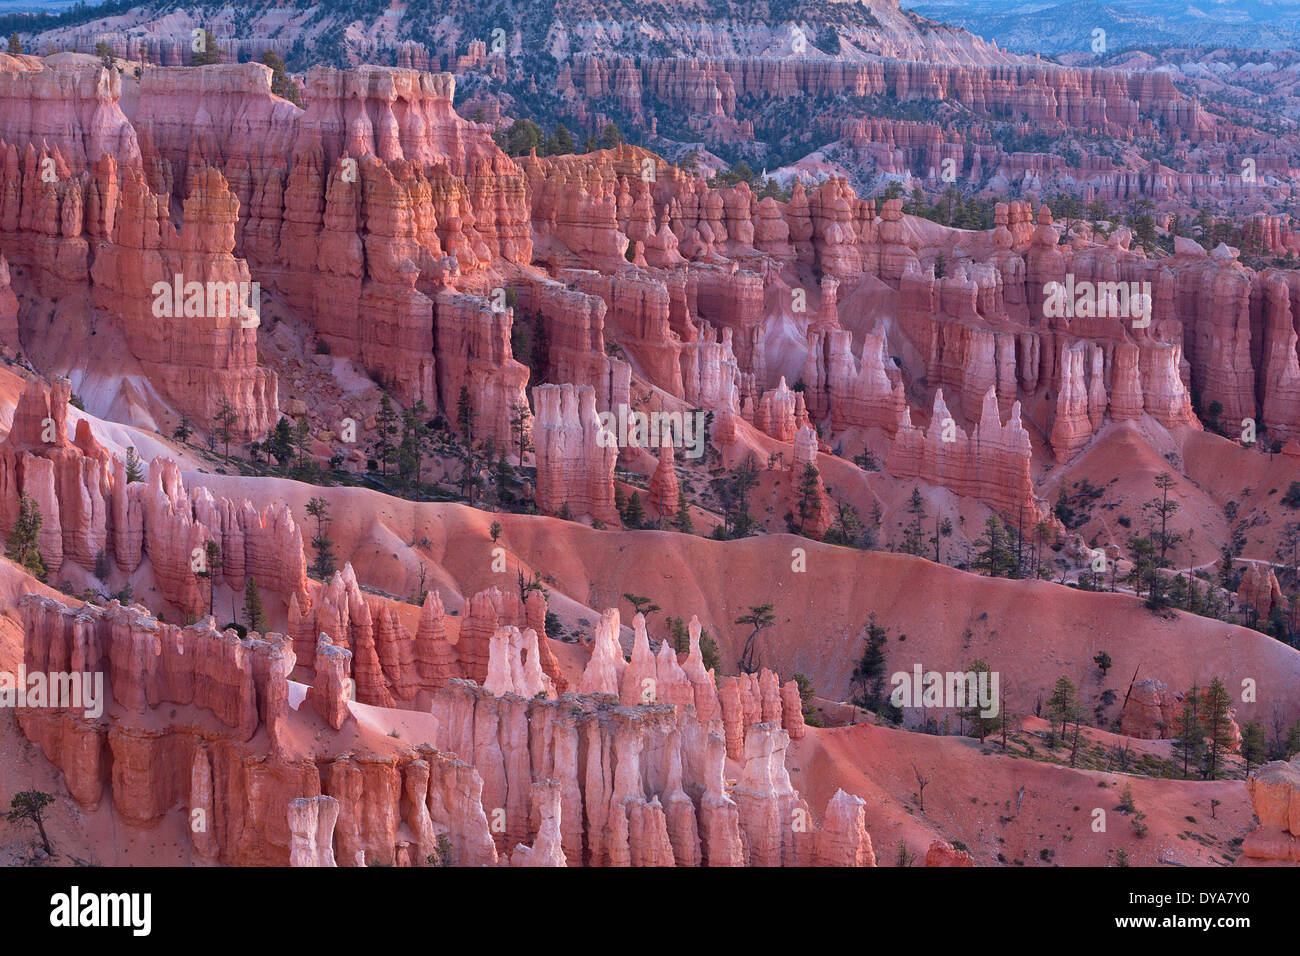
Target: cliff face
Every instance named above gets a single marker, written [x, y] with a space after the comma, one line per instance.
[394, 227]
[991, 464]
[575, 455]
[359, 211]
[206, 350]
[508, 778]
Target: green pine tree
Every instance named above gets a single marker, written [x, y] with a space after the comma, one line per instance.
[1190, 742]
[682, 520]
[634, 515]
[1254, 744]
[22, 543]
[227, 419]
[869, 673]
[385, 430]
[253, 607]
[1062, 708]
[810, 501]
[1217, 703]
[994, 555]
[914, 534]
[134, 466]
[324, 565]
[980, 725]
[208, 52]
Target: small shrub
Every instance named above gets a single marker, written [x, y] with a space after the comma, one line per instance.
[1292, 497]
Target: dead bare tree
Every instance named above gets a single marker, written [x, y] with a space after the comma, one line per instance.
[921, 784]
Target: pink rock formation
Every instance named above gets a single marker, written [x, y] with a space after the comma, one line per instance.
[865, 394]
[664, 489]
[435, 793]
[207, 349]
[331, 687]
[992, 464]
[436, 658]
[945, 854]
[810, 505]
[8, 309]
[575, 454]
[1275, 797]
[605, 668]
[1151, 711]
[1259, 590]
[311, 828]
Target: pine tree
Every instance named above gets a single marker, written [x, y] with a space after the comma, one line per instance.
[183, 431]
[914, 535]
[993, 553]
[281, 83]
[1142, 553]
[869, 672]
[212, 553]
[980, 725]
[1160, 510]
[411, 448]
[634, 516]
[227, 418]
[280, 443]
[1217, 728]
[210, 52]
[744, 478]
[465, 414]
[1291, 746]
[505, 479]
[22, 543]
[30, 805]
[1254, 745]
[682, 520]
[810, 503]
[563, 140]
[324, 565]
[134, 466]
[15, 45]
[385, 430]
[1062, 707]
[1103, 662]
[1190, 742]
[520, 417]
[640, 604]
[253, 607]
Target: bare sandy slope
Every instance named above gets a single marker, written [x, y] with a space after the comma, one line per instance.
[1221, 478]
[973, 795]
